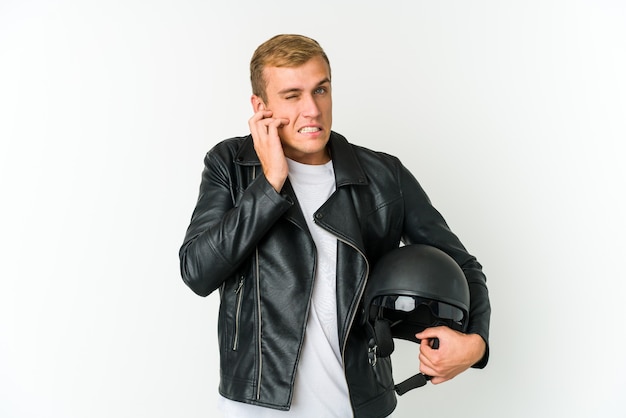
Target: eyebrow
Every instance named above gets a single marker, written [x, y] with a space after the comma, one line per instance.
[297, 90]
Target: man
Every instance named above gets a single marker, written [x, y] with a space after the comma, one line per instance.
[288, 224]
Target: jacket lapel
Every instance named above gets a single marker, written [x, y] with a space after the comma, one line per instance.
[338, 215]
[294, 213]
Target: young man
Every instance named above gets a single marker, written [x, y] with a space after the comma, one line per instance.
[288, 224]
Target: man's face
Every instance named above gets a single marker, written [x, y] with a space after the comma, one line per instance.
[302, 95]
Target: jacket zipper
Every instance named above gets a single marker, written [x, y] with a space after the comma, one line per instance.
[353, 314]
[258, 302]
[239, 293]
[258, 295]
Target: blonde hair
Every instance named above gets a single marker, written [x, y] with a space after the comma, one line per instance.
[282, 51]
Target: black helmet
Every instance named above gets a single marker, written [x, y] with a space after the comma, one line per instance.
[412, 288]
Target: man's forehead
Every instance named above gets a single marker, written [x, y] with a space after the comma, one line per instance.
[313, 72]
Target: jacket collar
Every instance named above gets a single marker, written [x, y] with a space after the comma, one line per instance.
[347, 168]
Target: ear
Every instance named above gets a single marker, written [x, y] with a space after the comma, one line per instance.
[257, 103]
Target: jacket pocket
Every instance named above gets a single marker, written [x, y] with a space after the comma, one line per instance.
[239, 294]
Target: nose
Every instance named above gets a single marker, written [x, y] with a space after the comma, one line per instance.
[311, 108]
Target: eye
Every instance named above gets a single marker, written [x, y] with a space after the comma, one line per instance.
[320, 90]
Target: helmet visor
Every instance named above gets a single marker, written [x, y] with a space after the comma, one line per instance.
[418, 311]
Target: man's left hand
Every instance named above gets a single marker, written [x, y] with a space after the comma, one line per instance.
[457, 352]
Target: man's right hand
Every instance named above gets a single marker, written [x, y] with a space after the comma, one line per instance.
[264, 130]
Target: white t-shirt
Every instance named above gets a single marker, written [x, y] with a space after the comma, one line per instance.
[320, 388]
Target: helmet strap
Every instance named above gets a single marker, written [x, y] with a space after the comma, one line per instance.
[383, 337]
[382, 345]
[416, 381]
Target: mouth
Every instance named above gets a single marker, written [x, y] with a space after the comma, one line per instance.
[309, 129]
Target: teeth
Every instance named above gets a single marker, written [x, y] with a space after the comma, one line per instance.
[309, 129]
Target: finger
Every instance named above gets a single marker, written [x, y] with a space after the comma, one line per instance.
[430, 367]
[264, 124]
[259, 124]
[430, 343]
[279, 122]
[428, 333]
[425, 361]
[253, 124]
[426, 367]
[272, 128]
[260, 114]
[268, 127]
[437, 380]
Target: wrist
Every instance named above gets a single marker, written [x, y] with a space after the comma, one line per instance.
[476, 348]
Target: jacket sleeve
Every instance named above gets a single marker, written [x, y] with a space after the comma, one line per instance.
[425, 225]
[226, 224]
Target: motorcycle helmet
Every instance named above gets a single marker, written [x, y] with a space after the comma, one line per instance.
[412, 288]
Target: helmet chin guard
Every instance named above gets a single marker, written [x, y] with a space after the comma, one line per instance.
[412, 288]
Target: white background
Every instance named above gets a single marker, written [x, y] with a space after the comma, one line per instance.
[512, 114]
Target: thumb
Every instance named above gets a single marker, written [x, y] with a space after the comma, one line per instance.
[427, 334]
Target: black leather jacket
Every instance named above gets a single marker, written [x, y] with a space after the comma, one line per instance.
[253, 244]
